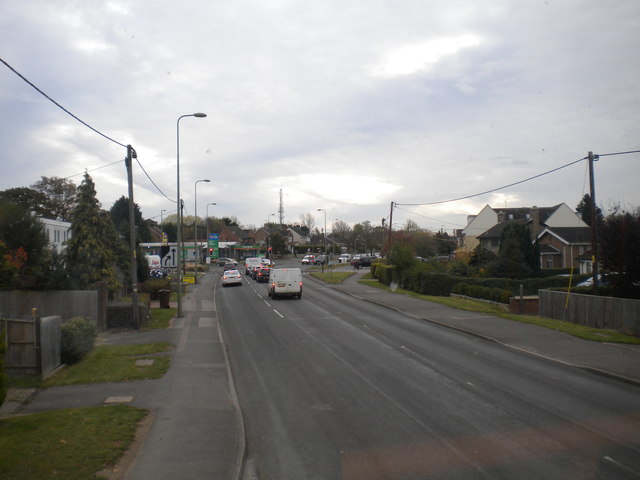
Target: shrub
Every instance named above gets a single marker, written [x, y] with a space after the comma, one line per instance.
[78, 336]
[154, 285]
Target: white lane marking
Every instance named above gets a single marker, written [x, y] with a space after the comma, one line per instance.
[278, 313]
[267, 303]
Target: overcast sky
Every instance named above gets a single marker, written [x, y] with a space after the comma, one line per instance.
[343, 105]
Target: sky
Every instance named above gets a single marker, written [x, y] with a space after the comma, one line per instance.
[344, 106]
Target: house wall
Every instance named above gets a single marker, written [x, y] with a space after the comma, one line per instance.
[482, 222]
[564, 217]
[57, 232]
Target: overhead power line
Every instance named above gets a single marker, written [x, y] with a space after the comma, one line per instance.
[493, 189]
[60, 106]
[86, 125]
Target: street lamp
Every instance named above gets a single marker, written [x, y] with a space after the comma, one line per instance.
[206, 220]
[162, 227]
[326, 257]
[195, 227]
[179, 236]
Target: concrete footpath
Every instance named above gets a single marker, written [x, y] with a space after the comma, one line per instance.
[620, 361]
[195, 428]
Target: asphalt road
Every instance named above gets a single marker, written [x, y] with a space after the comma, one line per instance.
[332, 387]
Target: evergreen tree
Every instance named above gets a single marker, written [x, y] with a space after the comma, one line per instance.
[93, 249]
[517, 256]
[584, 210]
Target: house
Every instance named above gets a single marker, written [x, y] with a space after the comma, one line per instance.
[58, 232]
[560, 232]
[563, 247]
[295, 237]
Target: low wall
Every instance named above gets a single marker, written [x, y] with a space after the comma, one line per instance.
[620, 314]
[90, 304]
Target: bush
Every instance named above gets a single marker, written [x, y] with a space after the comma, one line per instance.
[492, 294]
[78, 336]
[154, 285]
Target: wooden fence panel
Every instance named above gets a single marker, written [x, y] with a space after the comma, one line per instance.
[620, 314]
[21, 357]
[33, 346]
[50, 339]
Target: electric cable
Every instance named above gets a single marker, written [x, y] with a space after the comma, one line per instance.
[60, 106]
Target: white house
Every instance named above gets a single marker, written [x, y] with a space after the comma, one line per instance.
[58, 232]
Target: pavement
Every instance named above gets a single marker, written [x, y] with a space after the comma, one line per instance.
[195, 429]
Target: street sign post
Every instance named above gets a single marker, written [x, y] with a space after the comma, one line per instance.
[212, 243]
[169, 257]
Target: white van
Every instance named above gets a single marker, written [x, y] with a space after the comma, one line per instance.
[153, 261]
[285, 281]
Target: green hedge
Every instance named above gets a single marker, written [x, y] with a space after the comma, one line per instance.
[78, 336]
[120, 315]
[430, 280]
[486, 293]
[154, 285]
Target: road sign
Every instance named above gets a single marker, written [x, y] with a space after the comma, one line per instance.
[170, 258]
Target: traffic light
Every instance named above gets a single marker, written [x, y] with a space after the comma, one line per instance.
[211, 251]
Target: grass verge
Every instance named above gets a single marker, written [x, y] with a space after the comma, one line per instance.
[331, 276]
[72, 444]
[115, 363]
[580, 331]
[159, 318]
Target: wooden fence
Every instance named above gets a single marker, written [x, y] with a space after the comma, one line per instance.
[33, 346]
[620, 314]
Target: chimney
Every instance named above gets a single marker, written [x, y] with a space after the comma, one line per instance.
[536, 228]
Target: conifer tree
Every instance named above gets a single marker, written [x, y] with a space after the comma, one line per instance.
[94, 248]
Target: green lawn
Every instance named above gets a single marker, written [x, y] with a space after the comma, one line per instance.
[159, 318]
[71, 444]
[581, 331]
[331, 276]
[115, 363]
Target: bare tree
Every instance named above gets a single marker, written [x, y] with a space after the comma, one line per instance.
[307, 220]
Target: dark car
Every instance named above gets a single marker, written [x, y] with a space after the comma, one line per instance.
[254, 271]
[262, 275]
[321, 260]
[229, 266]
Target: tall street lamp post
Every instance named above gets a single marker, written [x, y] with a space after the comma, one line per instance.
[206, 220]
[196, 247]
[179, 209]
[326, 257]
[162, 226]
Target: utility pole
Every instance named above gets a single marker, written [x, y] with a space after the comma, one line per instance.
[131, 154]
[390, 228]
[594, 222]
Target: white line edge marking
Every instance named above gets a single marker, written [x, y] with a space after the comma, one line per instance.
[278, 313]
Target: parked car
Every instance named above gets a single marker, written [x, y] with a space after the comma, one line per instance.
[309, 260]
[285, 282]
[231, 277]
[262, 275]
